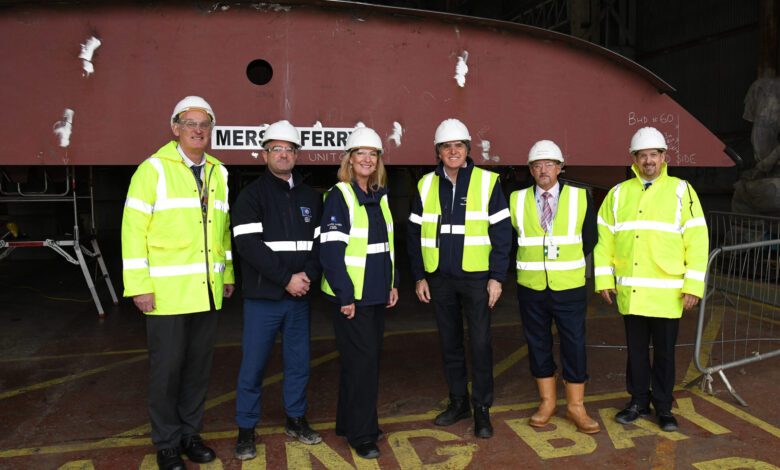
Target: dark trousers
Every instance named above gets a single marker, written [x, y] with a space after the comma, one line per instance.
[448, 295]
[538, 309]
[263, 320]
[359, 341]
[181, 348]
[640, 374]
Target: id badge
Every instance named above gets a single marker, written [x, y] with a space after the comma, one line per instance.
[551, 251]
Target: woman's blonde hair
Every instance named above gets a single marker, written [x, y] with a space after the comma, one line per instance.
[378, 179]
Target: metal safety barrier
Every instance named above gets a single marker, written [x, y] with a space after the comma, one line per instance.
[741, 306]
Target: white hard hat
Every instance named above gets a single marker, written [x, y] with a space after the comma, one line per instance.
[192, 102]
[545, 150]
[364, 137]
[647, 138]
[450, 130]
[282, 130]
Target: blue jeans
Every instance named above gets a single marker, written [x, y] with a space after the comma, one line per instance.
[263, 319]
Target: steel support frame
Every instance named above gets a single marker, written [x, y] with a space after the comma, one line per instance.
[69, 195]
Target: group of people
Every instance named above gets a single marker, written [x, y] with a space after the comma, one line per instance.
[649, 244]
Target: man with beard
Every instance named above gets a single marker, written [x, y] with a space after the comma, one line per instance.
[652, 253]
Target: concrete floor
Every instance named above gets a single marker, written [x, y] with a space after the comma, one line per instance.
[72, 393]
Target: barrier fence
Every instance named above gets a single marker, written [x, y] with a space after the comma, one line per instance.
[741, 309]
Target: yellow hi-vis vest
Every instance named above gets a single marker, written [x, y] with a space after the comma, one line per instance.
[534, 270]
[476, 241]
[357, 241]
[653, 245]
[166, 250]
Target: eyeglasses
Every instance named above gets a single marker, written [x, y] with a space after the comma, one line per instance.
[280, 149]
[538, 166]
[192, 125]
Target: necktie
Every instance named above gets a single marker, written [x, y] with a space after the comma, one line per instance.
[546, 211]
[647, 185]
[196, 171]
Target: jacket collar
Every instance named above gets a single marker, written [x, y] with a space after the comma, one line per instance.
[466, 170]
[373, 196]
[638, 179]
[297, 179]
[169, 152]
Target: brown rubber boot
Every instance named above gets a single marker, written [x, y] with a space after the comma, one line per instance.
[547, 406]
[575, 412]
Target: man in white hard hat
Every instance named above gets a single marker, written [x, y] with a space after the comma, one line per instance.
[459, 239]
[651, 253]
[556, 230]
[177, 267]
[276, 229]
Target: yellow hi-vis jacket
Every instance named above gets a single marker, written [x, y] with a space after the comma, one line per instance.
[535, 270]
[653, 245]
[166, 249]
[357, 242]
[476, 242]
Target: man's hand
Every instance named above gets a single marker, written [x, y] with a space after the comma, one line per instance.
[227, 290]
[145, 302]
[391, 301]
[605, 294]
[299, 284]
[494, 292]
[690, 300]
[422, 290]
[348, 310]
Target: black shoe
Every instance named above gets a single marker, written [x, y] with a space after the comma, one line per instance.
[299, 428]
[245, 444]
[195, 450]
[367, 450]
[482, 427]
[666, 421]
[457, 409]
[632, 413]
[169, 459]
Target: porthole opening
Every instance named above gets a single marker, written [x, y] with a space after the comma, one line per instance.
[259, 72]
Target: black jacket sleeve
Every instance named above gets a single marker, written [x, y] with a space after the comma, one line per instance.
[590, 233]
[335, 228]
[313, 267]
[500, 234]
[413, 228]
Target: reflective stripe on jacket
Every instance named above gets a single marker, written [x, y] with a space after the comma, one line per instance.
[357, 240]
[166, 250]
[534, 269]
[653, 245]
[476, 241]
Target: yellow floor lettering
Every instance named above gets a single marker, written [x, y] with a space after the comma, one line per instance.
[460, 455]
[78, 465]
[541, 441]
[299, 456]
[215, 464]
[622, 438]
[730, 463]
[149, 462]
[257, 463]
[685, 409]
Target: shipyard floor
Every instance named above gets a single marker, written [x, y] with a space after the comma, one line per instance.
[73, 393]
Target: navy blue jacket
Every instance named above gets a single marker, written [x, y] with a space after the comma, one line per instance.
[451, 245]
[286, 214]
[335, 217]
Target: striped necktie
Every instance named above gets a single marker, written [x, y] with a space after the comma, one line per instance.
[546, 211]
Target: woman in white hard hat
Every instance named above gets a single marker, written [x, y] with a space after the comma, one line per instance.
[360, 278]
